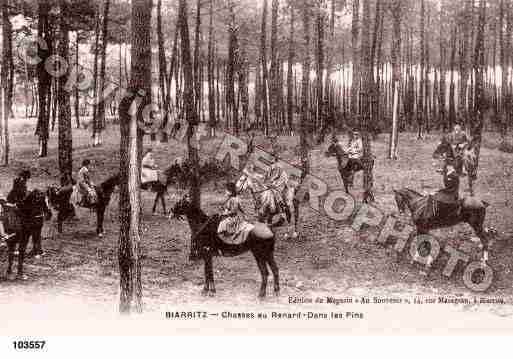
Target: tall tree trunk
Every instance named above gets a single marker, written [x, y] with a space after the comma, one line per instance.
[452, 106]
[476, 128]
[355, 78]
[305, 128]
[65, 137]
[421, 94]
[77, 93]
[290, 62]
[505, 44]
[130, 159]
[273, 82]
[232, 109]
[95, 76]
[100, 120]
[319, 116]
[210, 72]
[396, 75]
[442, 69]
[196, 60]
[44, 80]
[263, 59]
[190, 114]
[466, 22]
[6, 80]
[366, 120]
[163, 75]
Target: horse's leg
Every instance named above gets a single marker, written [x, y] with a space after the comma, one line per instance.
[11, 247]
[36, 240]
[21, 256]
[163, 202]
[476, 222]
[295, 203]
[212, 287]
[100, 212]
[275, 271]
[262, 266]
[206, 274]
[470, 184]
[157, 197]
[60, 220]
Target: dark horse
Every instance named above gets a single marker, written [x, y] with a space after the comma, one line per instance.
[24, 221]
[467, 159]
[473, 212]
[160, 188]
[209, 244]
[347, 172]
[59, 200]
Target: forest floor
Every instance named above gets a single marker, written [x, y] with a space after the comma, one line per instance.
[78, 277]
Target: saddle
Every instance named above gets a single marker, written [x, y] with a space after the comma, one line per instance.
[429, 209]
[238, 236]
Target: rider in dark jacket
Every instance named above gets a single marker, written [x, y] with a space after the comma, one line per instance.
[19, 188]
[448, 197]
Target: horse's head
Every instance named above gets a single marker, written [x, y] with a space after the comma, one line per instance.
[404, 197]
[107, 186]
[400, 201]
[181, 208]
[173, 172]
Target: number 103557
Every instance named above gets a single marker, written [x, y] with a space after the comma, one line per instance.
[28, 344]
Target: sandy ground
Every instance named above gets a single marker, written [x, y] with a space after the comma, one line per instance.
[78, 278]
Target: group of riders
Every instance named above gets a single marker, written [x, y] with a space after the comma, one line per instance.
[274, 180]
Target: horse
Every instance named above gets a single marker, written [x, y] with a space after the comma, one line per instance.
[266, 204]
[25, 221]
[473, 212]
[260, 243]
[59, 200]
[346, 173]
[160, 188]
[467, 159]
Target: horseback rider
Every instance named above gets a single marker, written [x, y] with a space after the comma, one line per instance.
[149, 172]
[447, 198]
[458, 139]
[86, 186]
[19, 188]
[354, 148]
[354, 151]
[232, 211]
[276, 180]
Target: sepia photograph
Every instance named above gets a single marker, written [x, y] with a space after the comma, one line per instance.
[255, 167]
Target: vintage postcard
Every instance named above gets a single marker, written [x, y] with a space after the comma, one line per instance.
[245, 167]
